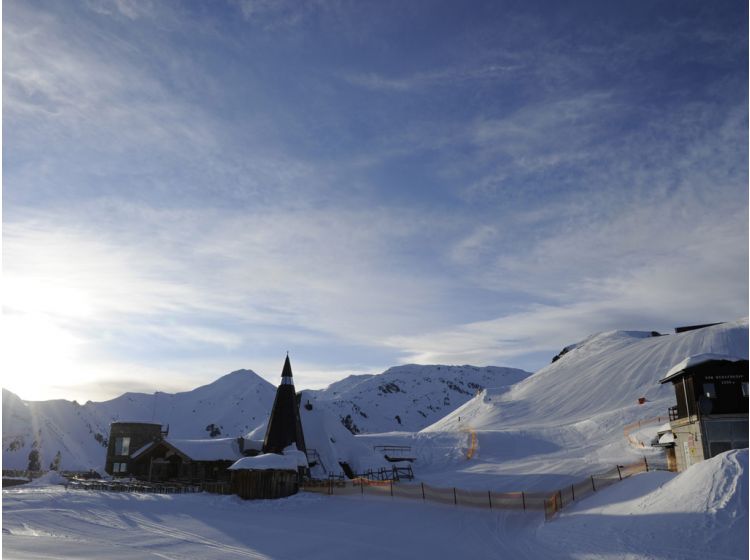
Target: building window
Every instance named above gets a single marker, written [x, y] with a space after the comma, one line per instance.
[122, 446]
[744, 389]
[709, 390]
[119, 467]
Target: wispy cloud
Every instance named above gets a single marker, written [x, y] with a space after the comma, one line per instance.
[298, 175]
[130, 9]
[452, 77]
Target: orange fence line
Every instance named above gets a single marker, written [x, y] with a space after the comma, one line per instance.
[549, 502]
[472, 445]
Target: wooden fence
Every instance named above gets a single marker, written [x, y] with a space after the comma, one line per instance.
[426, 492]
[567, 495]
[134, 486]
[548, 502]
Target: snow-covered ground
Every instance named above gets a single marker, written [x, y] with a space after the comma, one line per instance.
[699, 514]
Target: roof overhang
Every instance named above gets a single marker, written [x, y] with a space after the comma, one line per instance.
[684, 367]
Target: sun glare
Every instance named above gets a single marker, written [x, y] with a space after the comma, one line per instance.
[39, 356]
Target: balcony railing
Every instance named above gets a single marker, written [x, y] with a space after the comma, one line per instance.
[673, 414]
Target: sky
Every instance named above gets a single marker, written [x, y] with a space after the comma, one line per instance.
[192, 188]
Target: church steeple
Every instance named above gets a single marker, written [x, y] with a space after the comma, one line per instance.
[286, 373]
[284, 425]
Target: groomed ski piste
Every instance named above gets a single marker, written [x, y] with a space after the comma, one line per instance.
[560, 424]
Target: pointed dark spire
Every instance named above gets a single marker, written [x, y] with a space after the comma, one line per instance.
[284, 425]
[287, 371]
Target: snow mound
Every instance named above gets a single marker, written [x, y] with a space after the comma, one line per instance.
[700, 513]
[717, 486]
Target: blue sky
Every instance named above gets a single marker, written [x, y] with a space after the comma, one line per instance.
[191, 188]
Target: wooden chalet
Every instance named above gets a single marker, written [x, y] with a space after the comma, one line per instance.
[268, 476]
[124, 439]
[190, 460]
[272, 470]
[711, 414]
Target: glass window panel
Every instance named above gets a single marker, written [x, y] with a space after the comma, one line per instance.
[719, 431]
[122, 446]
[739, 430]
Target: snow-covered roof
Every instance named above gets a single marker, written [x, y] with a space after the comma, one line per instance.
[267, 461]
[697, 359]
[292, 451]
[666, 427]
[666, 438]
[221, 449]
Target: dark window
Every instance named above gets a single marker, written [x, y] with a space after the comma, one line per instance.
[744, 389]
[122, 446]
[709, 390]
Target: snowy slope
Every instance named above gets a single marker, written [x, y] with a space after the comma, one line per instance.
[230, 406]
[566, 420]
[605, 373]
[409, 397]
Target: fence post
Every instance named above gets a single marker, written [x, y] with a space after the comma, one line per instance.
[559, 493]
[455, 499]
[391, 489]
[489, 496]
[422, 490]
[523, 500]
[618, 472]
[645, 462]
[573, 491]
[362, 486]
[592, 483]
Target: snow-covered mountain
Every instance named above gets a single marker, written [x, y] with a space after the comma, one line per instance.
[565, 418]
[410, 397]
[230, 406]
[236, 404]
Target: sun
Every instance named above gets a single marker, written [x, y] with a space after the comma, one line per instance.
[40, 354]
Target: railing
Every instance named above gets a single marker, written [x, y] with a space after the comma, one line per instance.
[395, 453]
[382, 474]
[313, 458]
